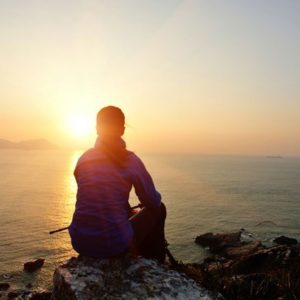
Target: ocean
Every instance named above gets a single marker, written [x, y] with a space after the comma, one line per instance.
[202, 194]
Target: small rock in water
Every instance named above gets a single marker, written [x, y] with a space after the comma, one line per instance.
[4, 286]
[32, 266]
[218, 242]
[284, 240]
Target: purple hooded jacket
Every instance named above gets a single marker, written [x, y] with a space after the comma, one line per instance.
[100, 226]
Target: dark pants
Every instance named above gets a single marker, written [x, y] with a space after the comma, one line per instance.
[149, 234]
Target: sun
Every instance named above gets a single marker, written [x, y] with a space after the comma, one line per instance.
[80, 125]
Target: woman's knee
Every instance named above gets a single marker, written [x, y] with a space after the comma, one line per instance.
[163, 210]
[160, 212]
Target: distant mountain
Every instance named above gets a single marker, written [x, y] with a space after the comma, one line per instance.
[6, 144]
[41, 144]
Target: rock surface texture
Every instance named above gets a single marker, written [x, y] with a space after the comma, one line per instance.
[123, 278]
[247, 270]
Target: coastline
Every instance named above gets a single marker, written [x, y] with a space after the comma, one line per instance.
[239, 267]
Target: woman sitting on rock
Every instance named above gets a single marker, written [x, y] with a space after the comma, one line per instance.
[105, 174]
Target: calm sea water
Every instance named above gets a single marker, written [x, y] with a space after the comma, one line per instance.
[202, 194]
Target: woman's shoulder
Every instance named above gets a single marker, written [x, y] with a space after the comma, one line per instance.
[90, 154]
[134, 160]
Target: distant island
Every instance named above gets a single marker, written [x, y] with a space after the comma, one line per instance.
[35, 144]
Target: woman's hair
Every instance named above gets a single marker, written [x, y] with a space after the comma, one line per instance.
[110, 127]
[110, 121]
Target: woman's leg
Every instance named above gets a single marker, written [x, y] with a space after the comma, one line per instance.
[148, 226]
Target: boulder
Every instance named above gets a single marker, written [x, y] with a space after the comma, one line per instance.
[284, 240]
[32, 266]
[122, 278]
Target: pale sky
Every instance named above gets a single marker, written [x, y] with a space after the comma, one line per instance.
[191, 76]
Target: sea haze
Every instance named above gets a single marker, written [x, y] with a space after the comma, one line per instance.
[202, 194]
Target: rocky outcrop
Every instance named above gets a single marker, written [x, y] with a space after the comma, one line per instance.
[122, 278]
[219, 240]
[247, 270]
[228, 245]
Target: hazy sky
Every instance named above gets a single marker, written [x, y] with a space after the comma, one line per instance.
[191, 76]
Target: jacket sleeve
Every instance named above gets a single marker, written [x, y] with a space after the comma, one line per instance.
[144, 186]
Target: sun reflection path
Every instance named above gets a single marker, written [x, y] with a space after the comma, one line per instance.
[70, 183]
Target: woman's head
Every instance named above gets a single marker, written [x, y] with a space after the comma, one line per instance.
[110, 122]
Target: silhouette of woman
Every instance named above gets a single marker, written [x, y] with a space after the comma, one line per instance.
[105, 174]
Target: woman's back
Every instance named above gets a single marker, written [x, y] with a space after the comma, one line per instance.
[102, 202]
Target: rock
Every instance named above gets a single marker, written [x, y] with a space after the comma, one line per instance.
[41, 296]
[12, 295]
[26, 291]
[210, 240]
[32, 266]
[283, 240]
[29, 285]
[228, 245]
[122, 278]
[4, 286]
[248, 270]
[218, 242]
[247, 236]
[268, 260]
[243, 250]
